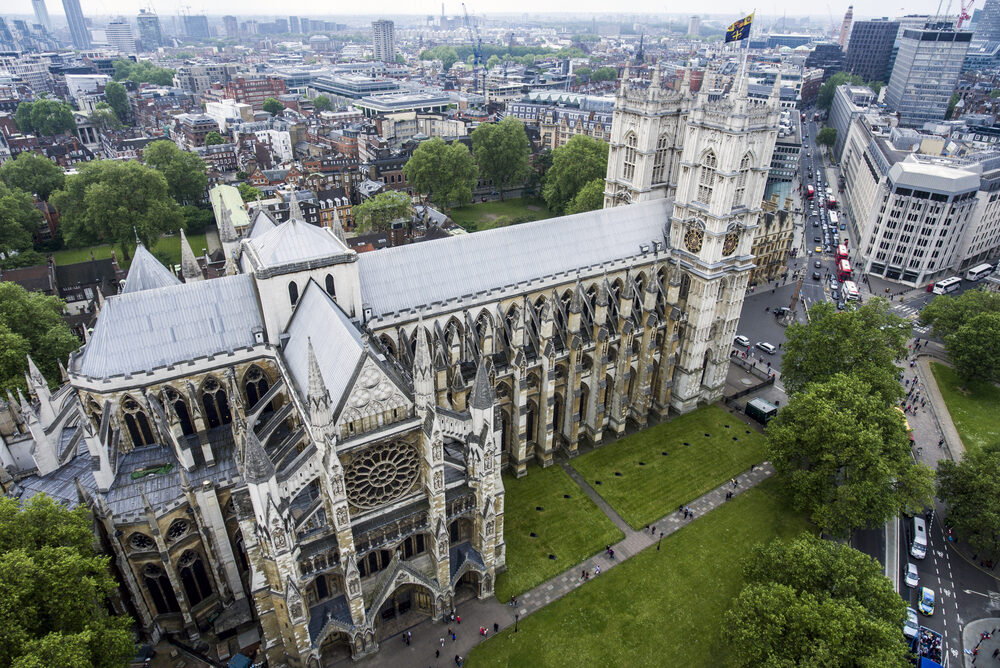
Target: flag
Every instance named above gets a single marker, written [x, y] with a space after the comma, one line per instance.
[739, 30]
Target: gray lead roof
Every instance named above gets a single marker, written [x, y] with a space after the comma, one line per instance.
[146, 273]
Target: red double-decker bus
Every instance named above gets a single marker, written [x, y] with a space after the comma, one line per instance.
[810, 191]
[843, 270]
[841, 253]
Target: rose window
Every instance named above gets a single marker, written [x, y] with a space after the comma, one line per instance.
[140, 541]
[381, 474]
[177, 529]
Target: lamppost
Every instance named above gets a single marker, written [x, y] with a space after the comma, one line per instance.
[658, 540]
[516, 617]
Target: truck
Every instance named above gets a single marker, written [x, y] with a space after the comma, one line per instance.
[760, 410]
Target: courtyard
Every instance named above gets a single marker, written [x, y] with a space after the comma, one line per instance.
[168, 246]
[973, 410]
[648, 474]
[660, 607]
[487, 215]
[545, 514]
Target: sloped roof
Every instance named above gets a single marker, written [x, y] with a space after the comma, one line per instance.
[294, 242]
[336, 342]
[146, 273]
[140, 331]
[395, 279]
[261, 222]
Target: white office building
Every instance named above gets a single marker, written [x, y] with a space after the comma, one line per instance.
[384, 40]
[120, 36]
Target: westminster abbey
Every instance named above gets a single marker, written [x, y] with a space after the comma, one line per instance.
[300, 454]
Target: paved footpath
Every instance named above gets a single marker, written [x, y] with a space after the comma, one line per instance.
[428, 634]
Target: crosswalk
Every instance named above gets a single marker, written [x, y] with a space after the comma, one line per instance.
[911, 313]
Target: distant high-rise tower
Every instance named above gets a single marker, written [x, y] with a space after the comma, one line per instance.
[925, 73]
[845, 27]
[694, 26]
[988, 23]
[120, 35]
[150, 34]
[870, 49]
[196, 26]
[77, 26]
[42, 14]
[384, 40]
[293, 24]
[231, 25]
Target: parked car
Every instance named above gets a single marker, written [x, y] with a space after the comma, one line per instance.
[741, 341]
[912, 624]
[926, 604]
[835, 295]
[843, 226]
[816, 276]
[817, 264]
[767, 347]
[912, 578]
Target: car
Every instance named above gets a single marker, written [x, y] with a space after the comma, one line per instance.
[912, 578]
[817, 264]
[841, 306]
[818, 249]
[815, 240]
[767, 347]
[741, 341]
[834, 283]
[835, 295]
[815, 223]
[816, 276]
[926, 604]
[843, 227]
[912, 624]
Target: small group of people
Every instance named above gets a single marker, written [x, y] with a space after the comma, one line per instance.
[686, 511]
[609, 551]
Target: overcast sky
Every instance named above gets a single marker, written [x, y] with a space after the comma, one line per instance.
[388, 7]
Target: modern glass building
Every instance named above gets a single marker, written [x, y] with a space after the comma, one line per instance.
[925, 73]
[870, 49]
[77, 25]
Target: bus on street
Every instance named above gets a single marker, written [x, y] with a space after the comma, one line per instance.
[978, 272]
[841, 253]
[810, 191]
[947, 285]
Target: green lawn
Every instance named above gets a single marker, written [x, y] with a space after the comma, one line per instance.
[974, 411]
[704, 449]
[171, 246]
[482, 216]
[572, 529]
[659, 608]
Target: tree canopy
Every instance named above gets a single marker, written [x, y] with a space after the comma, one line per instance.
[378, 212]
[31, 324]
[827, 136]
[445, 173]
[828, 88]
[844, 453]
[53, 600]
[322, 103]
[213, 138]
[32, 172]
[143, 71]
[971, 490]
[273, 106]
[502, 151]
[116, 96]
[110, 201]
[945, 313]
[19, 221]
[248, 192]
[604, 74]
[446, 54]
[864, 341]
[184, 171]
[974, 348]
[105, 119]
[580, 161]
[44, 117]
[590, 197]
[811, 602]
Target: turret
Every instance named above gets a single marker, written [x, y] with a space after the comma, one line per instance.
[423, 371]
[482, 399]
[190, 270]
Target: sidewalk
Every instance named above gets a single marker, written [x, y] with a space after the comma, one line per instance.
[972, 640]
[475, 613]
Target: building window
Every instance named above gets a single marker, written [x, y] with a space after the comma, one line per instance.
[158, 585]
[216, 403]
[706, 178]
[136, 422]
[255, 385]
[630, 148]
[739, 194]
[194, 577]
[660, 161]
[330, 290]
[293, 293]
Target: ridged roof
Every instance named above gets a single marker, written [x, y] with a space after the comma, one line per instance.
[146, 273]
[293, 242]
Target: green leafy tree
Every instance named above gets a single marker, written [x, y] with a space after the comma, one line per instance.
[32, 172]
[272, 106]
[952, 103]
[445, 173]
[945, 313]
[446, 54]
[863, 342]
[827, 136]
[143, 72]
[31, 323]
[994, 94]
[19, 220]
[974, 348]
[105, 120]
[116, 96]
[579, 162]
[109, 201]
[248, 192]
[590, 197]
[378, 212]
[22, 117]
[844, 453]
[812, 602]
[51, 117]
[502, 151]
[400, 59]
[184, 171]
[604, 74]
[876, 86]
[213, 138]
[583, 72]
[826, 91]
[54, 598]
[971, 490]
[196, 218]
[322, 103]
[492, 61]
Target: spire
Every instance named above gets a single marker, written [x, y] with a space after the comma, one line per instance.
[338, 228]
[482, 397]
[227, 232]
[35, 376]
[422, 355]
[655, 83]
[294, 210]
[317, 397]
[63, 374]
[189, 264]
[602, 294]
[576, 302]
[625, 78]
[257, 464]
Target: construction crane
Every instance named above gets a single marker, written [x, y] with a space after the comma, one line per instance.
[477, 52]
[964, 15]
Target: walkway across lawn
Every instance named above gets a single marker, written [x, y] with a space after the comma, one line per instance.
[648, 474]
[658, 608]
[973, 411]
[566, 524]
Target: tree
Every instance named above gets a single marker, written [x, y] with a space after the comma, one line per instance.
[946, 314]
[590, 197]
[22, 117]
[604, 74]
[580, 161]
[844, 453]
[196, 218]
[502, 151]
[116, 96]
[583, 72]
[113, 202]
[143, 72]
[952, 103]
[974, 348]
[31, 324]
[32, 172]
[826, 91]
[19, 221]
[322, 103]
[864, 342]
[378, 212]
[446, 173]
[876, 86]
[105, 120]
[492, 61]
[446, 54]
[272, 106]
[827, 136]
[51, 117]
[248, 192]
[184, 171]
[971, 490]
[811, 602]
[54, 600]
[213, 138]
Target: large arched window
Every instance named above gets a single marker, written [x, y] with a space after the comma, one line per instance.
[293, 293]
[706, 178]
[330, 288]
[216, 403]
[629, 157]
[740, 191]
[136, 422]
[255, 385]
[194, 577]
[158, 585]
[660, 161]
[180, 407]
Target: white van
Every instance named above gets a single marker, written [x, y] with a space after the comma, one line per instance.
[918, 548]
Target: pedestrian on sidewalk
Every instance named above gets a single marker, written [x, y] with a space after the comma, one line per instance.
[653, 530]
[442, 642]
[597, 570]
[451, 633]
[458, 618]
[437, 654]
[752, 467]
[496, 627]
[409, 637]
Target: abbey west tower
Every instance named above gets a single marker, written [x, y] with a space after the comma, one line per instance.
[709, 152]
